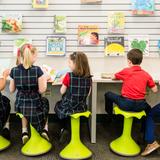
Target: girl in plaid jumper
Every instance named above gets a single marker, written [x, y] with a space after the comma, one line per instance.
[30, 83]
[4, 107]
[75, 88]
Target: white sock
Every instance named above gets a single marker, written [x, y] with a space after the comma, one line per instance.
[46, 125]
[24, 130]
[6, 125]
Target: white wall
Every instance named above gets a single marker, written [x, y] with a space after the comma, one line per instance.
[38, 24]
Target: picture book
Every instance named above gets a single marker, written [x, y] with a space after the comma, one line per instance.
[116, 23]
[114, 46]
[90, 1]
[60, 24]
[143, 7]
[12, 23]
[88, 35]
[18, 43]
[40, 3]
[139, 42]
[56, 45]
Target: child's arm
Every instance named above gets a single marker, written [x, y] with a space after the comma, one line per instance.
[3, 79]
[154, 89]
[63, 89]
[42, 84]
[12, 86]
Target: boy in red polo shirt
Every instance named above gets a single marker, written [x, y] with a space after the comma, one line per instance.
[135, 81]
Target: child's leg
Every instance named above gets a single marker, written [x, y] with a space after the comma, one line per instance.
[44, 133]
[25, 136]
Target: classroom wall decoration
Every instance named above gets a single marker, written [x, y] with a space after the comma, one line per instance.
[60, 24]
[88, 35]
[40, 3]
[18, 43]
[90, 1]
[56, 46]
[143, 7]
[139, 42]
[12, 23]
[116, 23]
[114, 46]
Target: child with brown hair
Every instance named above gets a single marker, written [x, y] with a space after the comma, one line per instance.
[30, 82]
[75, 88]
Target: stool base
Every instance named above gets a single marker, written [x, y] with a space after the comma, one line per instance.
[4, 143]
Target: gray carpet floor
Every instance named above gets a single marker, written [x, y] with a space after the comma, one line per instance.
[105, 134]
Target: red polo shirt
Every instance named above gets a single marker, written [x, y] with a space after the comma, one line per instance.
[135, 80]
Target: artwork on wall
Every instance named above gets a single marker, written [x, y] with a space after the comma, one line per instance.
[88, 35]
[11, 23]
[139, 42]
[116, 23]
[143, 7]
[40, 3]
[90, 1]
[114, 46]
[56, 45]
[60, 24]
[18, 43]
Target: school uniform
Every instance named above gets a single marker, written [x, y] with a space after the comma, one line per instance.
[74, 100]
[4, 110]
[132, 98]
[29, 102]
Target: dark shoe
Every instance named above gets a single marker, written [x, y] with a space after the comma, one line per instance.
[64, 135]
[25, 137]
[45, 134]
[6, 133]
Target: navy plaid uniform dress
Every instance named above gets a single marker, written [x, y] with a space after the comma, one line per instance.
[74, 100]
[4, 110]
[28, 100]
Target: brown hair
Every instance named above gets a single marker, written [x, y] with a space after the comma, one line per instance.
[135, 56]
[82, 65]
[24, 55]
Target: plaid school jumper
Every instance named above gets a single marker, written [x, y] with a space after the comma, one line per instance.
[74, 101]
[4, 110]
[28, 100]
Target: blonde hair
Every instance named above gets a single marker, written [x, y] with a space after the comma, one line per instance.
[82, 65]
[24, 55]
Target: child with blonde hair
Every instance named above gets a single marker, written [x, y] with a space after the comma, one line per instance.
[30, 82]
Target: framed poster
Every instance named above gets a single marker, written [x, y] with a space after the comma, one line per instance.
[140, 42]
[114, 46]
[88, 35]
[56, 46]
[40, 3]
[11, 23]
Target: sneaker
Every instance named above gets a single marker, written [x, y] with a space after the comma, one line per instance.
[45, 134]
[25, 137]
[150, 148]
[6, 133]
[64, 134]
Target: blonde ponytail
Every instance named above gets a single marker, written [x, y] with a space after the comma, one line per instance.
[27, 58]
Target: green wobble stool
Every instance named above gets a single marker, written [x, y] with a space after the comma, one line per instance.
[76, 149]
[125, 145]
[36, 145]
[4, 143]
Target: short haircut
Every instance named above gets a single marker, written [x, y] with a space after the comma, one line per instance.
[135, 56]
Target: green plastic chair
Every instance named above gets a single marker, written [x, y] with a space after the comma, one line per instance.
[4, 143]
[36, 145]
[76, 149]
[125, 145]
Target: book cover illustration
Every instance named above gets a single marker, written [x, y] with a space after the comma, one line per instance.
[56, 45]
[12, 23]
[143, 7]
[114, 46]
[88, 35]
[18, 43]
[60, 24]
[40, 4]
[116, 23]
[139, 42]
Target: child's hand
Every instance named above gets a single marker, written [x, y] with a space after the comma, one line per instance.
[6, 73]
